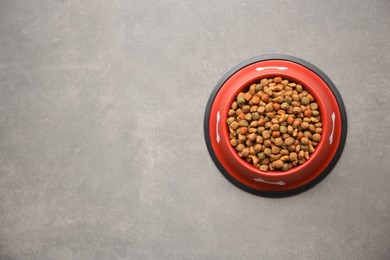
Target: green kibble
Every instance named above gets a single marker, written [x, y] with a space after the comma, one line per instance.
[261, 156]
[255, 116]
[315, 112]
[284, 106]
[283, 129]
[267, 151]
[230, 120]
[260, 129]
[288, 99]
[305, 101]
[243, 123]
[241, 99]
[304, 147]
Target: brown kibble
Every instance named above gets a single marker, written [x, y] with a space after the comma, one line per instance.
[278, 141]
[270, 114]
[261, 156]
[252, 130]
[274, 127]
[305, 125]
[240, 147]
[261, 109]
[246, 108]
[291, 148]
[257, 148]
[234, 125]
[308, 134]
[248, 117]
[252, 137]
[266, 134]
[267, 151]
[293, 156]
[277, 164]
[285, 158]
[305, 140]
[274, 157]
[267, 143]
[301, 155]
[318, 130]
[241, 137]
[314, 106]
[252, 89]
[264, 168]
[245, 152]
[233, 142]
[275, 149]
[259, 139]
[297, 110]
[289, 141]
[316, 137]
[264, 82]
[311, 148]
[297, 123]
[269, 107]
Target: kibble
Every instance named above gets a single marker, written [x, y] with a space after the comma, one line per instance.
[275, 124]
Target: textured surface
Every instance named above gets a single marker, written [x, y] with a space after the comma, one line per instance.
[101, 130]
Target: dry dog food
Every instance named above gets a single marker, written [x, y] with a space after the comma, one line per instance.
[275, 125]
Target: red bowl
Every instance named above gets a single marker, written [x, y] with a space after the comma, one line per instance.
[275, 183]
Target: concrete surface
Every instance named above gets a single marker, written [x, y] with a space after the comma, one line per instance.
[102, 153]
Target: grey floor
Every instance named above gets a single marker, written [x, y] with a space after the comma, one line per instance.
[102, 153]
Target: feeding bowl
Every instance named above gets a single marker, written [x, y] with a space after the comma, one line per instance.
[275, 183]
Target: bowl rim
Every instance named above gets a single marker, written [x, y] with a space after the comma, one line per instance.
[333, 161]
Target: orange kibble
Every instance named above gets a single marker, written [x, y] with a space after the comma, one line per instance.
[243, 130]
[290, 120]
[247, 96]
[277, 80]
[241, 116]
[255, 100]
[308, 113]
[276, 106]
[265, 98]
[261, 122]
[275, 133]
